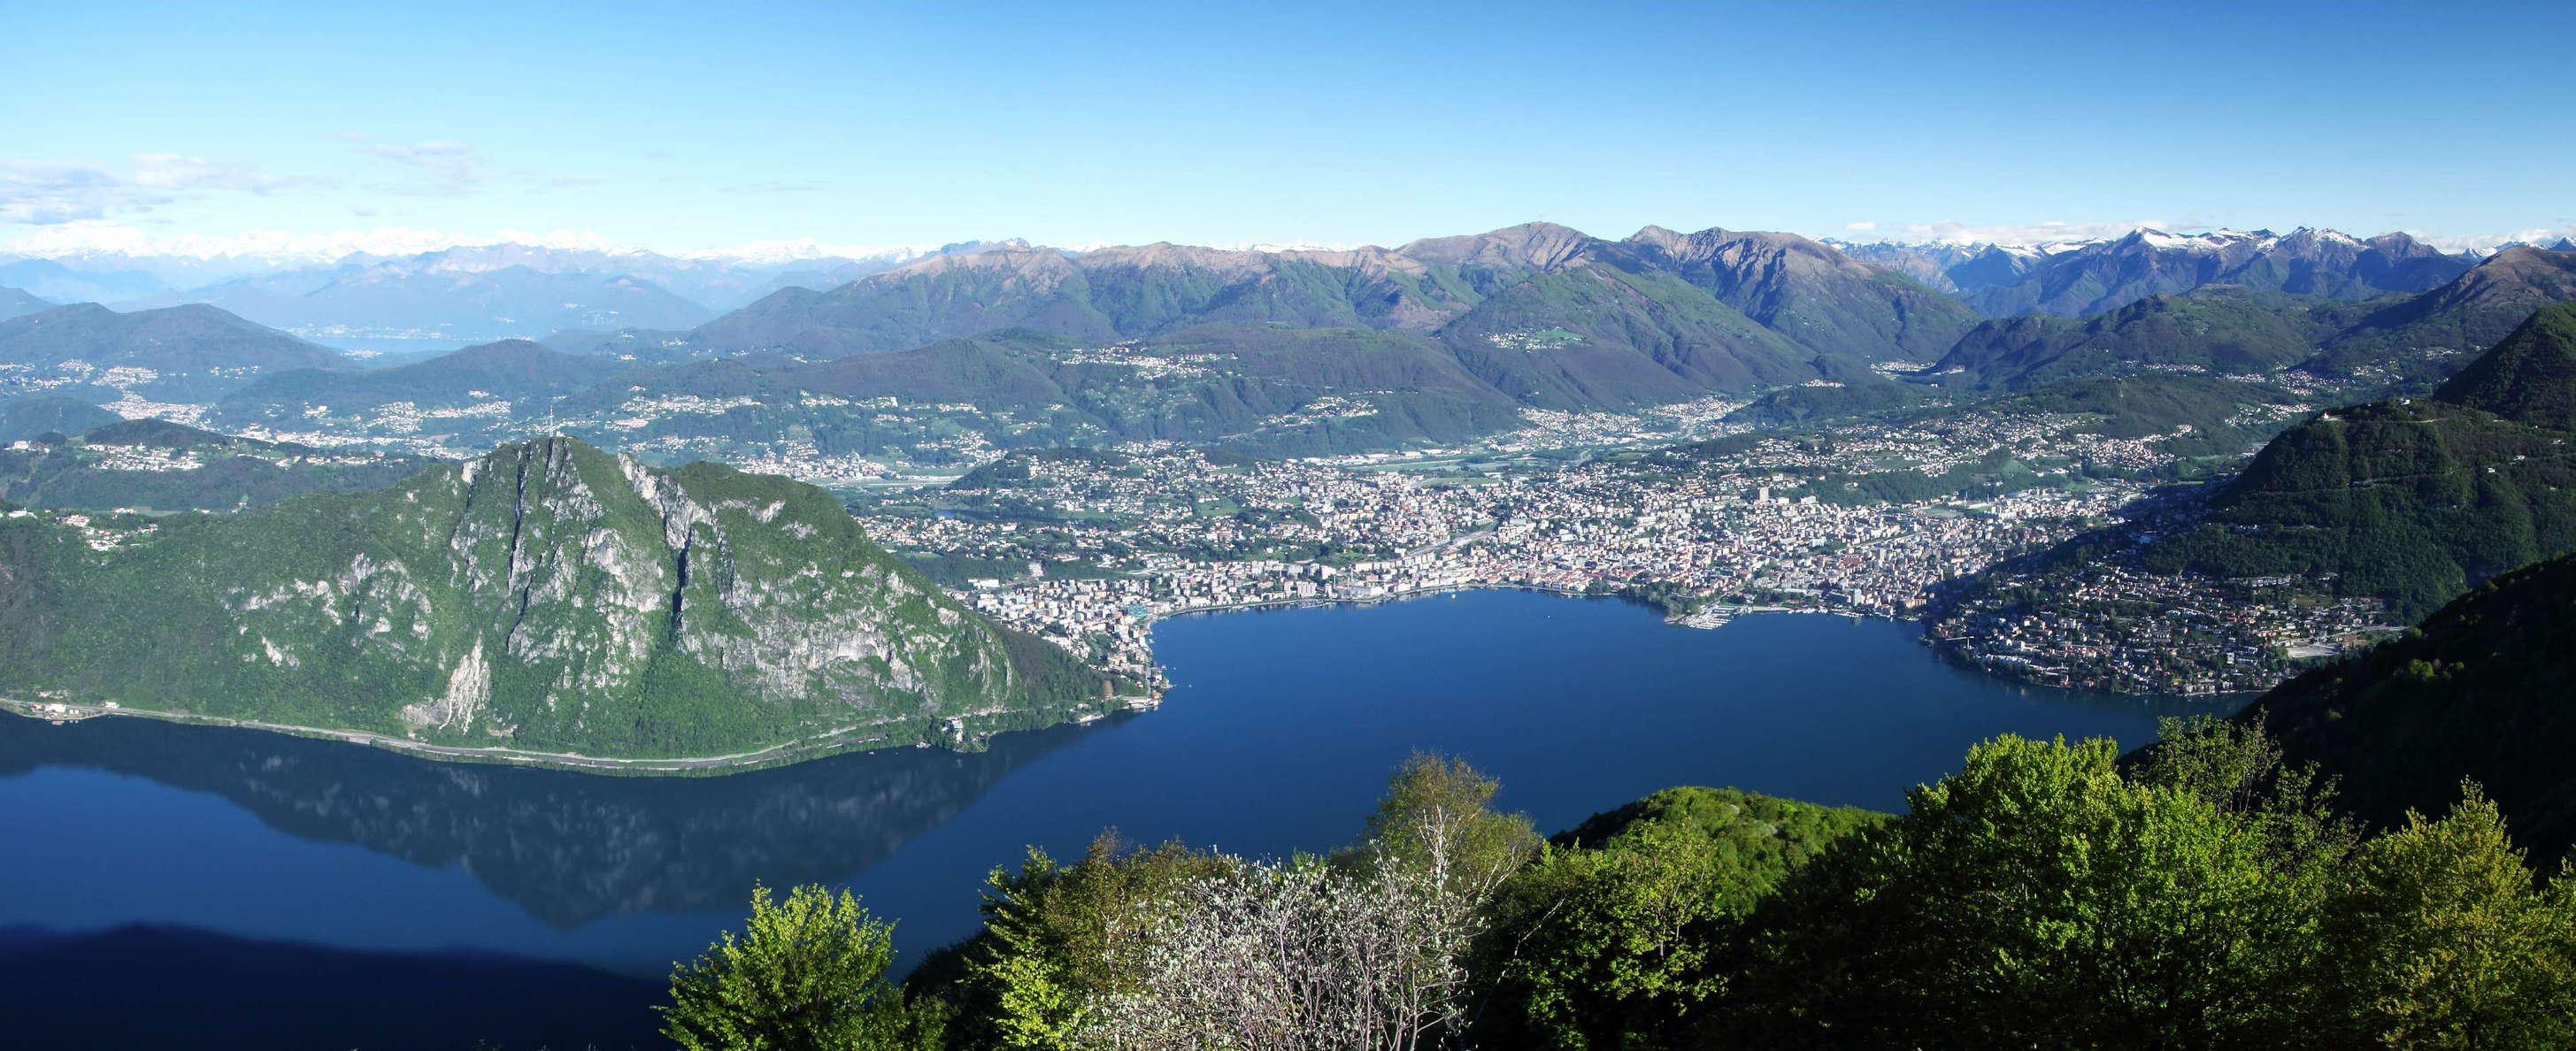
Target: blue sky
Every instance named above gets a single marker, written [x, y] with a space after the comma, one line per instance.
[704, 125]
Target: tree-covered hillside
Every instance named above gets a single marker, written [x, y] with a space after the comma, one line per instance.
[546, 597]
[511, 376]
[2413, 500]
[2480, 691]
[155, 465]
[182, 353]
[23, 418]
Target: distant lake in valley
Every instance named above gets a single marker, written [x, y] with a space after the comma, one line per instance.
[1277, 736]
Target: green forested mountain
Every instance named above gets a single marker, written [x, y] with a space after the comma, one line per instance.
[2412, 500]
[1545, 313]
[2219, 329]
[2529, 378]
[156, 465]
[2426, 337]
[27, 417]
[1280, 392]
[548, 596]
[509, 371]
[15, 302]
[193, 351]
[2390, 342]
[2479, 691]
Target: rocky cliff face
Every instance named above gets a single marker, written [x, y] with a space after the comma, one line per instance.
[552, 596]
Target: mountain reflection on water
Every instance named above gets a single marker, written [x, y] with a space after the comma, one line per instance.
[1276, 738]
[568, 847]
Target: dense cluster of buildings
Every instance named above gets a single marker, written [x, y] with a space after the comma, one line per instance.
[2112, 627]
[1090, 549]
[1112, 543]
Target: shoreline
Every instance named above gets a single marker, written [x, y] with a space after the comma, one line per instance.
[784, 754]
[841, 742]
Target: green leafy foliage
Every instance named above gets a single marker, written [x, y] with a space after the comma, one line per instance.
[807, 974]
[2036, 898]
[2203, 892]
[2444, 940]
[1617, 935]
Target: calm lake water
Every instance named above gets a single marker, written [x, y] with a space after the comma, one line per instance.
[1277, 736]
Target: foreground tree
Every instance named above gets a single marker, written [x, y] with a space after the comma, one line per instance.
[2038, 898]
[1367, 950]
[807, 974]
[1621, 933]
[2442, 940]
[1059, 939]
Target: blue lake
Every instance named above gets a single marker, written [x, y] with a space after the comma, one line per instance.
[1277, 736]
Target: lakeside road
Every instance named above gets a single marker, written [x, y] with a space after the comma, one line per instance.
[804, 748]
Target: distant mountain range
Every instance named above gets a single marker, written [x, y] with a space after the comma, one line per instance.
[2088, 277]
[2391, 340]
[1546, 314]
[450, 297]
[801, 294]
[1301, 351]
[426, 301]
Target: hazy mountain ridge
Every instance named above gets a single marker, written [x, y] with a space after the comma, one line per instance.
[27, 417]
[460, 294]
[401, 301]
[504, 379]
[181, 353]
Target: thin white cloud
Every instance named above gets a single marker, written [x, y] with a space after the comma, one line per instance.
[102, 237]
[45, 193]
[171, 171]
[435, 168]
[773, 187]
[2018, 233]
[1862, 226]
[2543, 236]
[48, 192]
